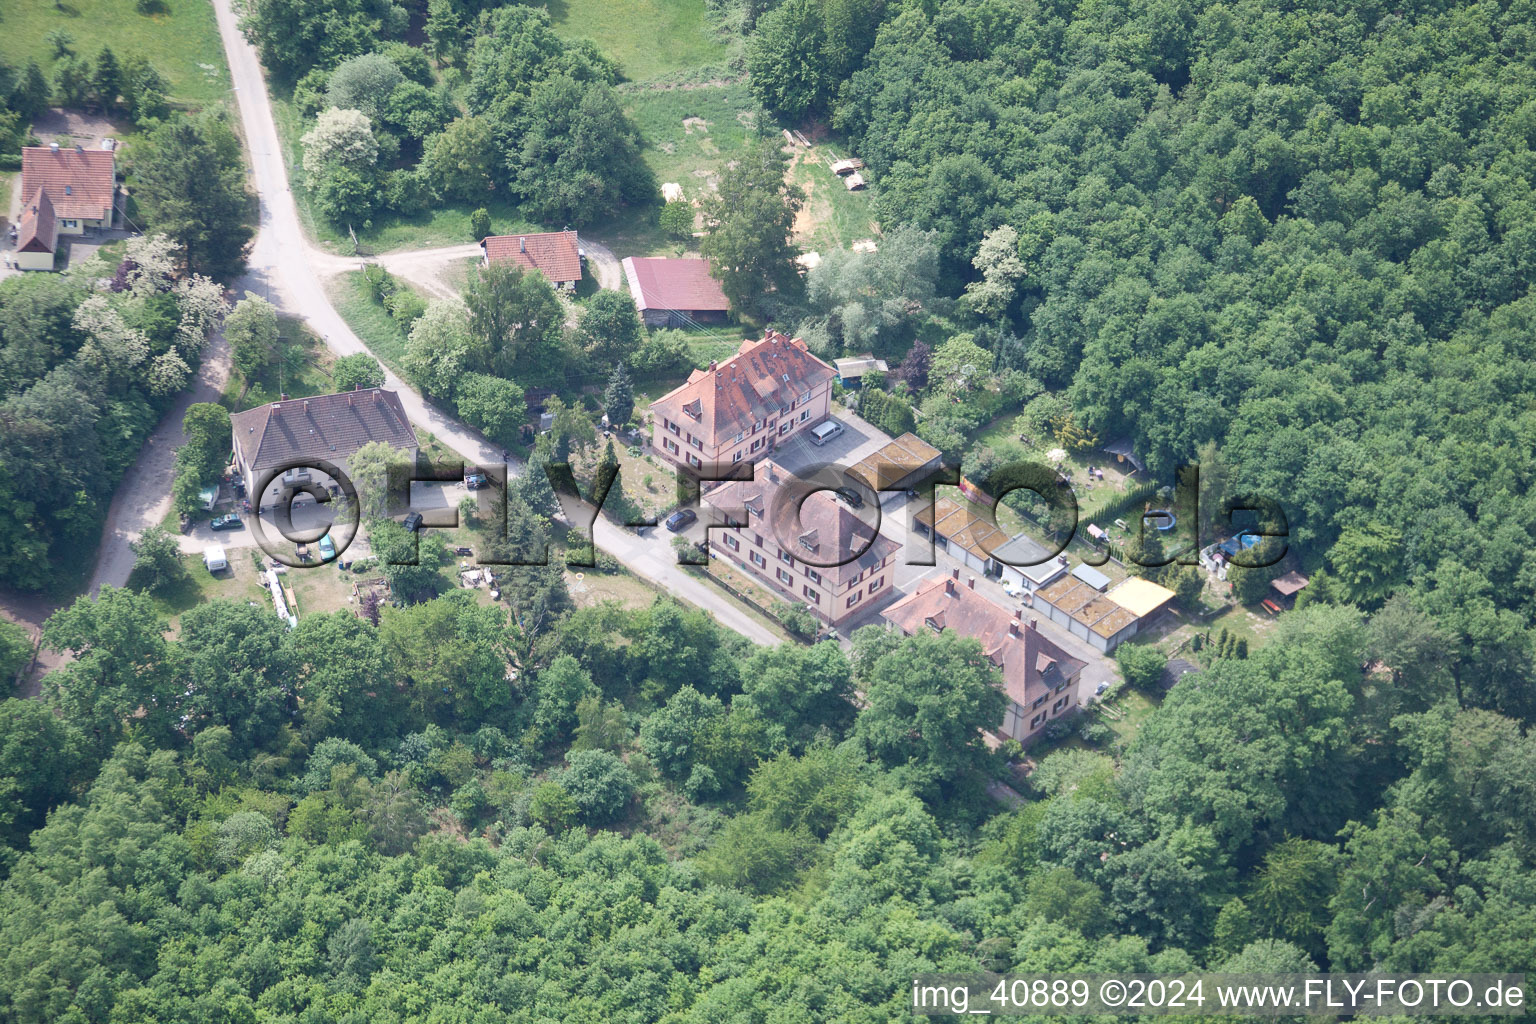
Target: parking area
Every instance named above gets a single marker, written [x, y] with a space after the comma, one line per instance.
[307, 516]
[857, 440]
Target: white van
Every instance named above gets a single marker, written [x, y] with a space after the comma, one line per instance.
[215, 559]
[825, 431]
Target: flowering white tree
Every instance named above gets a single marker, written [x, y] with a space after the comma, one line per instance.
[343, 137]
[111, 344]
[202, 310]
[1001, 271]
[154, 259]
[168, 373]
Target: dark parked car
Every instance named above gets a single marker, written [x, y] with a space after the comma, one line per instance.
[228, 521]
[413, 522]
[681, 519]
[850, 495]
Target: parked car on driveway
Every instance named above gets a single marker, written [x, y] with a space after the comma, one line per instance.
[681, 519]
[327, 548]
[227, 521]
[412, 522]
[851, 496]
[825, 431]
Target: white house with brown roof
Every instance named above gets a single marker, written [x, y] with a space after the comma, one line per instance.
[64, 191]
[1039, 678]
[555, 254]
[819, 554]
[745, 407]
[325, 428]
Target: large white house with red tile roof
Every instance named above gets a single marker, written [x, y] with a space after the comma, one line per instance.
[744, 407]
[809, 548]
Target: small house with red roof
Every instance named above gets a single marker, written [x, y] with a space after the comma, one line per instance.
[743, 407]
[555, 254]
[675, 292]
[64, 191]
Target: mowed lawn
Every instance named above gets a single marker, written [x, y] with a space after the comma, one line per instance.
[180, 39]
[648, 38]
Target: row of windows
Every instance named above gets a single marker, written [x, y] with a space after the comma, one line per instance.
[1034, 723]
[788, 579]
[1041, 699]
[672, 428]
[784, 428]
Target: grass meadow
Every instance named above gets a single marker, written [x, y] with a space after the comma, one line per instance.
[180, 38]
[648, 38]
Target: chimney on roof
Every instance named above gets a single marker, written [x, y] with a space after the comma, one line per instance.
[1013, 628]
[1033, 622]
[79, 148]
[970, 581]
[283, 397]
[712, 366]
[954, 574]
[522, 245]
[306, 407]
[53, 147]
[949, 587]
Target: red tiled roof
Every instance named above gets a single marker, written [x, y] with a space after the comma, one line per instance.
[1031, 665]
[555, 254]
[683, 284]
[758, 382]
[827, 532]
[329, 427]
[37, 231]
[81, 182]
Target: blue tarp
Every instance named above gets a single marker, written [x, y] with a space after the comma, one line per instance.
[1231, 545]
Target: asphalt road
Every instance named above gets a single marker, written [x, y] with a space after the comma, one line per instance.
[283, 262]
